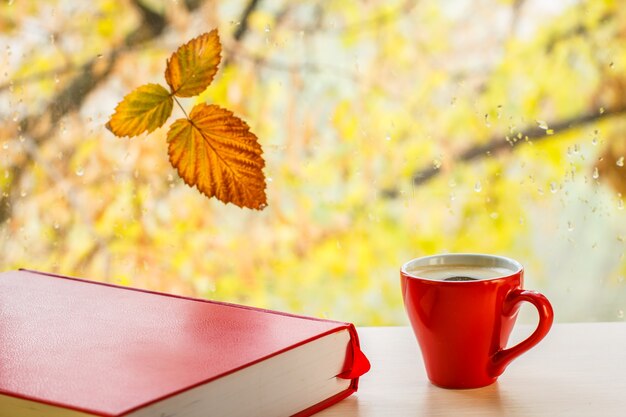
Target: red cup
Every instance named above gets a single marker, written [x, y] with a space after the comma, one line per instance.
[462, 327]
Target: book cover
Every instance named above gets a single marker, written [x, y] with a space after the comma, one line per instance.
[109, 351]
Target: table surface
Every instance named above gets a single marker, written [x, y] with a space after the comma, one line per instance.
[577, 370]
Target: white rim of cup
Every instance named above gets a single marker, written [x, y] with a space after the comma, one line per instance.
[475, 259]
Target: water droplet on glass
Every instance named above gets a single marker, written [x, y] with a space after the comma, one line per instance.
[620, 204]
[99, 56]
[620, 162]
[23, 193]
[611, 64]
[487, 120]
[452, 183]
[570, 227]
[269, 179]
[494, 215]
[452, 196]
[56, 226]
[436, 163]
[6, 173]
[267, 28]
[576, 148]
[170, 177]
[601, 110]
[553, 187]
[478, 187]
[80, 171]
[52, 38]
[5, 145]
[56, 78]
[387, 136]
[620, 314]
[542, 124]
[596, 173]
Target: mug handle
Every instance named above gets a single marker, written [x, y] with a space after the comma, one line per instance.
[503, 357]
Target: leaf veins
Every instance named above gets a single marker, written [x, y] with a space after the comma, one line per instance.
[215, 151]
[144, 109]
[192, 67]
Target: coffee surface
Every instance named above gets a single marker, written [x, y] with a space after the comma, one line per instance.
[458, 272]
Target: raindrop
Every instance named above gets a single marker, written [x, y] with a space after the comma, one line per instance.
[553, 187]
[170, 177]
[267, 28]
[5, 145]
[494, 215]
[620, 314]
[542, 124]
[612, 64]
[436, 163]
[452, 196]
[23, 193]
[601, 110]
[596, 173]
[570, 227]
[269, 179]
[387, 137]
[478, 187]
[99, 56]
[620, 204]
[56, 78]
[620, 162]
[56, 226]
[52, 38]
[487, 120]
[80, 171]
[576, 148]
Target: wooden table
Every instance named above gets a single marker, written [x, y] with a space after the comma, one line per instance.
[577, 370]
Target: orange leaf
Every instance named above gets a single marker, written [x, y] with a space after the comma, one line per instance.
[192, 67]
[145, 108]
[216, 152]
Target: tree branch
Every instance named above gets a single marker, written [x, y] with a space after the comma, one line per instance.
[499, 143]
[40, 128]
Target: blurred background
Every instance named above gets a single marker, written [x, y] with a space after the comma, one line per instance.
[391, 129]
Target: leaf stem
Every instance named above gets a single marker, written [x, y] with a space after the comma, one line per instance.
[181, 107]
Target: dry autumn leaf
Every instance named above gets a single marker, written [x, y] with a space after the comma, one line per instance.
[144, 109]
[192, 67]
[216, 152]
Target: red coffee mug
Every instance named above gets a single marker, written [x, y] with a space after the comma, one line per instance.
[463, 327]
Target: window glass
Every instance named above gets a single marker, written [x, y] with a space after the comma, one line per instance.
[390, 129]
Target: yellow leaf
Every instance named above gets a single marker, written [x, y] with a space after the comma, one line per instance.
[144, 109]
[216, 152]
[192, 67]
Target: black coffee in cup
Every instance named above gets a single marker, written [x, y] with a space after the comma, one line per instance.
[458, 272]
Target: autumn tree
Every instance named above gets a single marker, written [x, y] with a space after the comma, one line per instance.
[390, 129]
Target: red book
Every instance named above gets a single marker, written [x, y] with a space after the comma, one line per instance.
[70, 347]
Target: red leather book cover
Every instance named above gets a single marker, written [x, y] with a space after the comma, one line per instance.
[109, 350]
